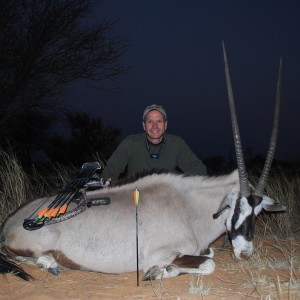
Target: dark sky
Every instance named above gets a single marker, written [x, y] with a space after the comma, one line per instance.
[176, 50]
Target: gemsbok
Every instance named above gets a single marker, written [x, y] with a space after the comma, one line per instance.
[179, 217]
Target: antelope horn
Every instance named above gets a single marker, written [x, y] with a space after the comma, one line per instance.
[263, 178]
[243, 177]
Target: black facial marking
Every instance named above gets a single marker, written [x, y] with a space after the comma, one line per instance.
[246, 229]
[254, 200]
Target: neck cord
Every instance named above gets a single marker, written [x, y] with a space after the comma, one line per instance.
[155, 155]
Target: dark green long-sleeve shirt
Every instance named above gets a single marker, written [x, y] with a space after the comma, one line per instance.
[133, 152]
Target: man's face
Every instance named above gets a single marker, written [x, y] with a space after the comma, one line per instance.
[155, 126]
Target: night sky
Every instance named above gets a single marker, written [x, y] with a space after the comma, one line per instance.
[176, 50]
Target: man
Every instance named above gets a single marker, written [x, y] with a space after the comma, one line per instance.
[154, 149]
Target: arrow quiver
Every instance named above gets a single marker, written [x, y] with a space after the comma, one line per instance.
[73, 191]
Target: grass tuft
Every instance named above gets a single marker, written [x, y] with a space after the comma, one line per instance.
[17, 187]
[197, 287]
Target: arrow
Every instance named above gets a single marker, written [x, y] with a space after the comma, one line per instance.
[136, 197]
[60, 204]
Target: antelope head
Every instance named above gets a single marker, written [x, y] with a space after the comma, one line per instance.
[249, 202]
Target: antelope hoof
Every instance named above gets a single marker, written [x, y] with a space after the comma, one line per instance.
[153, 273]
[49, 263]
[54, 271]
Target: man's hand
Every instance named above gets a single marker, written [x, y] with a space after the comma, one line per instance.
[105, 182]
[98, 182]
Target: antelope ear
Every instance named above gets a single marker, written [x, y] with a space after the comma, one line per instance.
[275, 207]
[225, 204]
[220, 211]
[269, 205]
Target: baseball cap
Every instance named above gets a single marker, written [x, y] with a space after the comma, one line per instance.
[154, 107]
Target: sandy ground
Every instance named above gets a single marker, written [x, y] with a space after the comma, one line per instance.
[231, 280]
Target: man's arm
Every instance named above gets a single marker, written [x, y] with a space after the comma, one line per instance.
[116, 163]
[188, 162]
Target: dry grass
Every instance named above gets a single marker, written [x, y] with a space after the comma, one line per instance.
[14, 185]
[273, 268]
[276, 247]
[272, 272]
[286, 190]
[17, 187]
[197, 287]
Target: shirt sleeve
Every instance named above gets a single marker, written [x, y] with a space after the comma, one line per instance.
[117, 162]
[188, 162]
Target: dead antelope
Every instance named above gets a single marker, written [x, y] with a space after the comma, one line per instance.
[179, 217]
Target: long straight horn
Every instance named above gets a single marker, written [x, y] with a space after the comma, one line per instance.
[243, 177]
[263, 178]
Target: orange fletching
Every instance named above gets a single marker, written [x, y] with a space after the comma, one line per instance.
[42, 212]
[63, 209]
[49, 213]
[55, 211]
[136, 196]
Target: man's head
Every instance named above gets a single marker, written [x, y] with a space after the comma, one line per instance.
[155, 123]
[154, 107]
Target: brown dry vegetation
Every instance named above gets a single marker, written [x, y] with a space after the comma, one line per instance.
[272, 272]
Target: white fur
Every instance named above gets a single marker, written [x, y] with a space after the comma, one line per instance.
[242, 247]
[47, 262]
[175, 216]
[246, 210]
